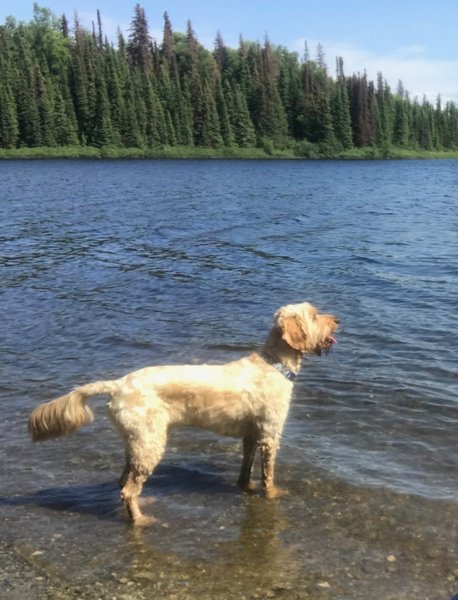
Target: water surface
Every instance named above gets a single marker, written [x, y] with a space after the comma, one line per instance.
[111, 266]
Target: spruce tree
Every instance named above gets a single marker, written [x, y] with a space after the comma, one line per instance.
[400, 123]
[139, 47]
[221, 53]
[266, 107]
[9, 130]
[44, 106]
[197, 96]
[131, 133]
[28, 115]
[289, 88]
[65, 133]
[211, 134]
[340, 108]
[363, 110]
[62, 87]
[102, 129]
[167, 51]
[223, 114]
[171, 138]
[239, 116]
[155, 134]
[325, 134]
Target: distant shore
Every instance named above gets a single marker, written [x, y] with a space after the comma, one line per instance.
[185, 152]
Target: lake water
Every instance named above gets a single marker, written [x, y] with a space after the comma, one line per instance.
[107, 267]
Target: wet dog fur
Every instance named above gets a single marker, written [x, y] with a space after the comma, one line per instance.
[247, 398]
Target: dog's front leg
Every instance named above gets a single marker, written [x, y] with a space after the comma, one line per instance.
[249, 451]
[268, 454]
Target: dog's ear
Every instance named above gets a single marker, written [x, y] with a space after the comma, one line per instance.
[293, 331]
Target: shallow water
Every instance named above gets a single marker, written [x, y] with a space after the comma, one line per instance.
[111, 266]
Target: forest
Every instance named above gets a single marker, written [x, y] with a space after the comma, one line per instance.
[62, 85]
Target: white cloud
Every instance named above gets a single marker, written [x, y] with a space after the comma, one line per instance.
[418, 73]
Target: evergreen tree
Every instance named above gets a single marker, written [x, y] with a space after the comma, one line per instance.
[439, 121]
[321, 58]
[80, 84]
[9, 130]
[242, 69]
[423, 126]
[204, 113]
[362, 110]
[450, 136]
[268, 113]
[102, 133]
[45, 108]
[65, 133]
[28, 115]
[384, 115]
[131, 133]
[140, 44]
[221, 53]
[340, 108]
[400, 123]
[168, 49]
[325, 135]
[63, 87]
[155, 127]
[289, 88]
[239, 116]
[227, 135]
[64, 27]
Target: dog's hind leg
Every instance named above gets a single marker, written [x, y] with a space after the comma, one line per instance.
[249, 452]
[143, 453]
[135, 474]
[130, 494]
[123, 478]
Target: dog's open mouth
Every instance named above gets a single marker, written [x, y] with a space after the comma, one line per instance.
[326, 345]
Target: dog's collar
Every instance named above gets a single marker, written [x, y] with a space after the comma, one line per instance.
[290, 375]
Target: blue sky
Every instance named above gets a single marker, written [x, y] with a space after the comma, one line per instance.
[412, 40]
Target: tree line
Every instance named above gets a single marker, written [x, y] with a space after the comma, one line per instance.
[67, 86]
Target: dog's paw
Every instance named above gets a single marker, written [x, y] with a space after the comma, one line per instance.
[275, 492]
[144, 521]
[247, 486]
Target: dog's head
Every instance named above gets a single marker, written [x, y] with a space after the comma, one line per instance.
[302, 328]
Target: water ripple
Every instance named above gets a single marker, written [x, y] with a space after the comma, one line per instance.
[107, 267]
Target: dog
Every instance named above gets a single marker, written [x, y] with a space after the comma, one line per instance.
[247, 398]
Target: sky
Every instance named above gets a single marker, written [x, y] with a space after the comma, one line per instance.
[415, 41]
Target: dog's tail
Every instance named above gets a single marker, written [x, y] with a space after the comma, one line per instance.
[67, 413]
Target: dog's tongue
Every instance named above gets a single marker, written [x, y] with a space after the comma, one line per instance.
[332, 339]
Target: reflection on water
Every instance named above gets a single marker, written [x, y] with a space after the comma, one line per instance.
[327, 539]
[250, 555]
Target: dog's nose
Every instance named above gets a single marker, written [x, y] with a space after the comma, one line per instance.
[337, 321]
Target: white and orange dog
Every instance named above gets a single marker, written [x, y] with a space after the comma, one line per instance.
[247, 398]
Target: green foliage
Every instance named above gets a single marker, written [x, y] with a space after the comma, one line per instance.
[71, 89]
[9, 130]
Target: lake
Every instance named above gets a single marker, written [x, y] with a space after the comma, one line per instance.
[109, 266]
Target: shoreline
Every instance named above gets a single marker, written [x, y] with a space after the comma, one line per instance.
[190, 153]
[350, 538]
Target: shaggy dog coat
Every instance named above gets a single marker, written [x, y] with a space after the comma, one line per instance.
[247, 398]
